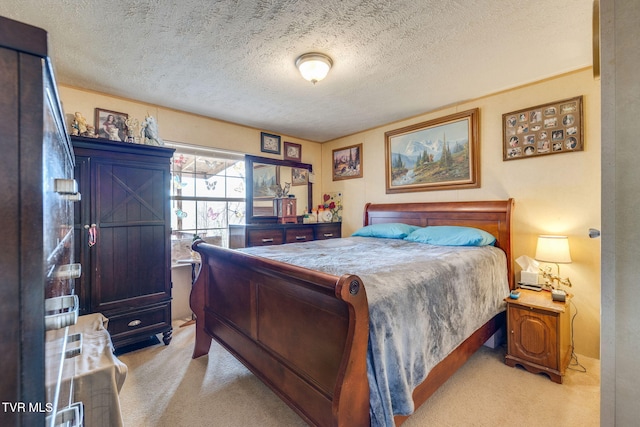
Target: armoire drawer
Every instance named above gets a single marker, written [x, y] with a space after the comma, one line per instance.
[142, 320]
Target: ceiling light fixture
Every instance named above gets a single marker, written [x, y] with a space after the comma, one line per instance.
[314, 66]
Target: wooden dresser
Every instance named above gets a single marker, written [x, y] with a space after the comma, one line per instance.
[247, 235]
[38, 304]
[123, 237]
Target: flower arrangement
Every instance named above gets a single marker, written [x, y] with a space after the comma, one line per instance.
[333, 203]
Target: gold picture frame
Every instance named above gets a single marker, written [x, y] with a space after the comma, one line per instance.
[440, 154]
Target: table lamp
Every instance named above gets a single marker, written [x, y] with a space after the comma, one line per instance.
[553, 249]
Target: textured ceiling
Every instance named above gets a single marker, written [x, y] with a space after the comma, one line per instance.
[234, 60]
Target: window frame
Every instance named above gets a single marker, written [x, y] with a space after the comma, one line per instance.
[177, 199]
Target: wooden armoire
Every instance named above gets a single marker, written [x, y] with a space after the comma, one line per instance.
[123, 228]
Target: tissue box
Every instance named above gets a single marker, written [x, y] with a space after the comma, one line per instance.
[529, 278]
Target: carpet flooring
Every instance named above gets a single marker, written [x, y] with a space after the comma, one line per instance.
[165, 387]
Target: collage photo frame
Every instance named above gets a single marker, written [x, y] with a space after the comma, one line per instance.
[552, 128]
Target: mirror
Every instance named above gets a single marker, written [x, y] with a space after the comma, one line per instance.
[264, 177]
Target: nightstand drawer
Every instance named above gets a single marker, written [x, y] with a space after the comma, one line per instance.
[294, 235]
[265, 237]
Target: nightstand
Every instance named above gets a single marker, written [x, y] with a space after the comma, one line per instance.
[539, 333]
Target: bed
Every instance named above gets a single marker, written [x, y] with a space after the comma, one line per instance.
[305, 332]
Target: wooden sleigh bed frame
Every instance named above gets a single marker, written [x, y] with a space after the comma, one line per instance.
[304, 333]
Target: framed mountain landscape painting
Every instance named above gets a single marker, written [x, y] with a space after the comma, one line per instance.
[440, 154]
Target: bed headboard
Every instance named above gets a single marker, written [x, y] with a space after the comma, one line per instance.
[492, 216]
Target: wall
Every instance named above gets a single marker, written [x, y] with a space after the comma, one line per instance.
[178, 126]
[555, 194]
[620, 234]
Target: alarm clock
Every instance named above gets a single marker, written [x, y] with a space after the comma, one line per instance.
[325, 216]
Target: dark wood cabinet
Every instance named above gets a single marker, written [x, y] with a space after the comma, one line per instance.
[539, 333]
[37, 259]
[247, 235]
[123, 237]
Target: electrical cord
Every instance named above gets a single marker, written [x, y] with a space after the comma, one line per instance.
[574, 364]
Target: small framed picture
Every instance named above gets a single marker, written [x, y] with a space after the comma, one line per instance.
[292, 151]
[111, 125]
[269, 143]
[347, 162]
[299, 176]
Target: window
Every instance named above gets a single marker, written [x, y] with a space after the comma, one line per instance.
[207, 194]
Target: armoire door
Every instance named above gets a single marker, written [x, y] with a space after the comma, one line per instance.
[128, 208]
[81, 225]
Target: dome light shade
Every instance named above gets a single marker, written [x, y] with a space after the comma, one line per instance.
[314, 66]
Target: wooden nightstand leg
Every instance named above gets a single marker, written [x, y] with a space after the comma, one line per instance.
[554, 376]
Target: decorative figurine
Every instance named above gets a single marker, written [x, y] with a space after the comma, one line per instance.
[282, 192]
[132, 125]
[149, 132]
[91, 132]
[79, 125]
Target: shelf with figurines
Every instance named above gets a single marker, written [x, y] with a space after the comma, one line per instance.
[116, 127]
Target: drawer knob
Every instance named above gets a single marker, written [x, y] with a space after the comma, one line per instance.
[135, 323]
[269, 240]
[301, 237]
[328, 234]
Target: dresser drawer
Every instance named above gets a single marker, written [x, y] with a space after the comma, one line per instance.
[294, 235]
[146, 320]
[265, 237]
[328, 231]
[247, 235]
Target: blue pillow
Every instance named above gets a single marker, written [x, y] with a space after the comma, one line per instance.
[390, 230]
[451, 235]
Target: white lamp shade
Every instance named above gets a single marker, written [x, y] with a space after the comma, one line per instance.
[553, 249]
[314, 66]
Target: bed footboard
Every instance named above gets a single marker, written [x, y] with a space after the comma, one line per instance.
[302, 332]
